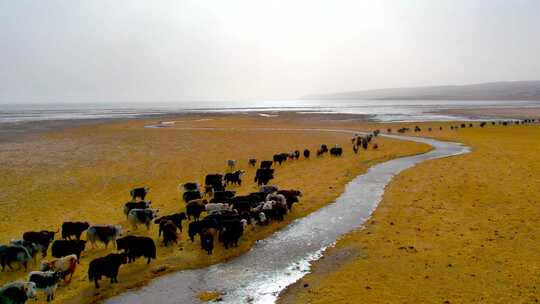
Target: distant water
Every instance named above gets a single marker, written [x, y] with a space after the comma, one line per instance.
[379, 110]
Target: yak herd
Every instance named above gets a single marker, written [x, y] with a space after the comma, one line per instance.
[227, 215]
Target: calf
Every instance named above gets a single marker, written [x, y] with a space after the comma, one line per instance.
[207, 239]
[139, 193]
[296, 154]
[46, 281]
[41, 238]
[142, 216]
[137, 246]
[65, 265]
[75, 229]
[176, 218]
[169, 232]
[62, 248]
[103, 233]
[14, 253]
[252, 162]
[231, 163]
[136, 205]
[324, 148]
[106, 266]
[306, 153]
[17, 292]
[234, 178]
[194, 208]
[266, 164]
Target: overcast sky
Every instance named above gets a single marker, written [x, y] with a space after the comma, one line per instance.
[129, 50]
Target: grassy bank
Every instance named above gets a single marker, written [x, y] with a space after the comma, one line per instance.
[456, 230]
[85, 173]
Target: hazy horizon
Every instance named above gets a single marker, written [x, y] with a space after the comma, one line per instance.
[140, 51]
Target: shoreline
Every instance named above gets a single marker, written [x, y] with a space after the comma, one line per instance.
[22, 130]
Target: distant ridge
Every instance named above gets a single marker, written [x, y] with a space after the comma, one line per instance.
[504, 90]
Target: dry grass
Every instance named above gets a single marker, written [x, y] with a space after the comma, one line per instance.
[456, 230]
[85, 174]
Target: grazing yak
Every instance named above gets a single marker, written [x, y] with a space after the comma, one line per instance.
[223, 196]
[336, 151]
[46, 281]
[65, 265]
[306, 153]
[14, 254]
[17, 292]
[191, 186]
[139, 193]
[266, 164]
[170, 234]
[234, 177]
[62, 248]
[32, 248]
[136, 205]
[263, 176]
[137, 246]
[176, 218]
[195, 228]
[231, 163]
[75, 229]
[142, 216]
[268, 189]
[214, 180]
[252, 162]
[291, 196]
[103, 233]
[208, 235]
[231, 232]
[194, 208]
[191, 195]
[41, 238]
[216, 207]
[279, 158]
[242, 203]
[106, 266]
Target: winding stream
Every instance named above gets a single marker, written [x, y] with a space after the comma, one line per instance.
[281, 259]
